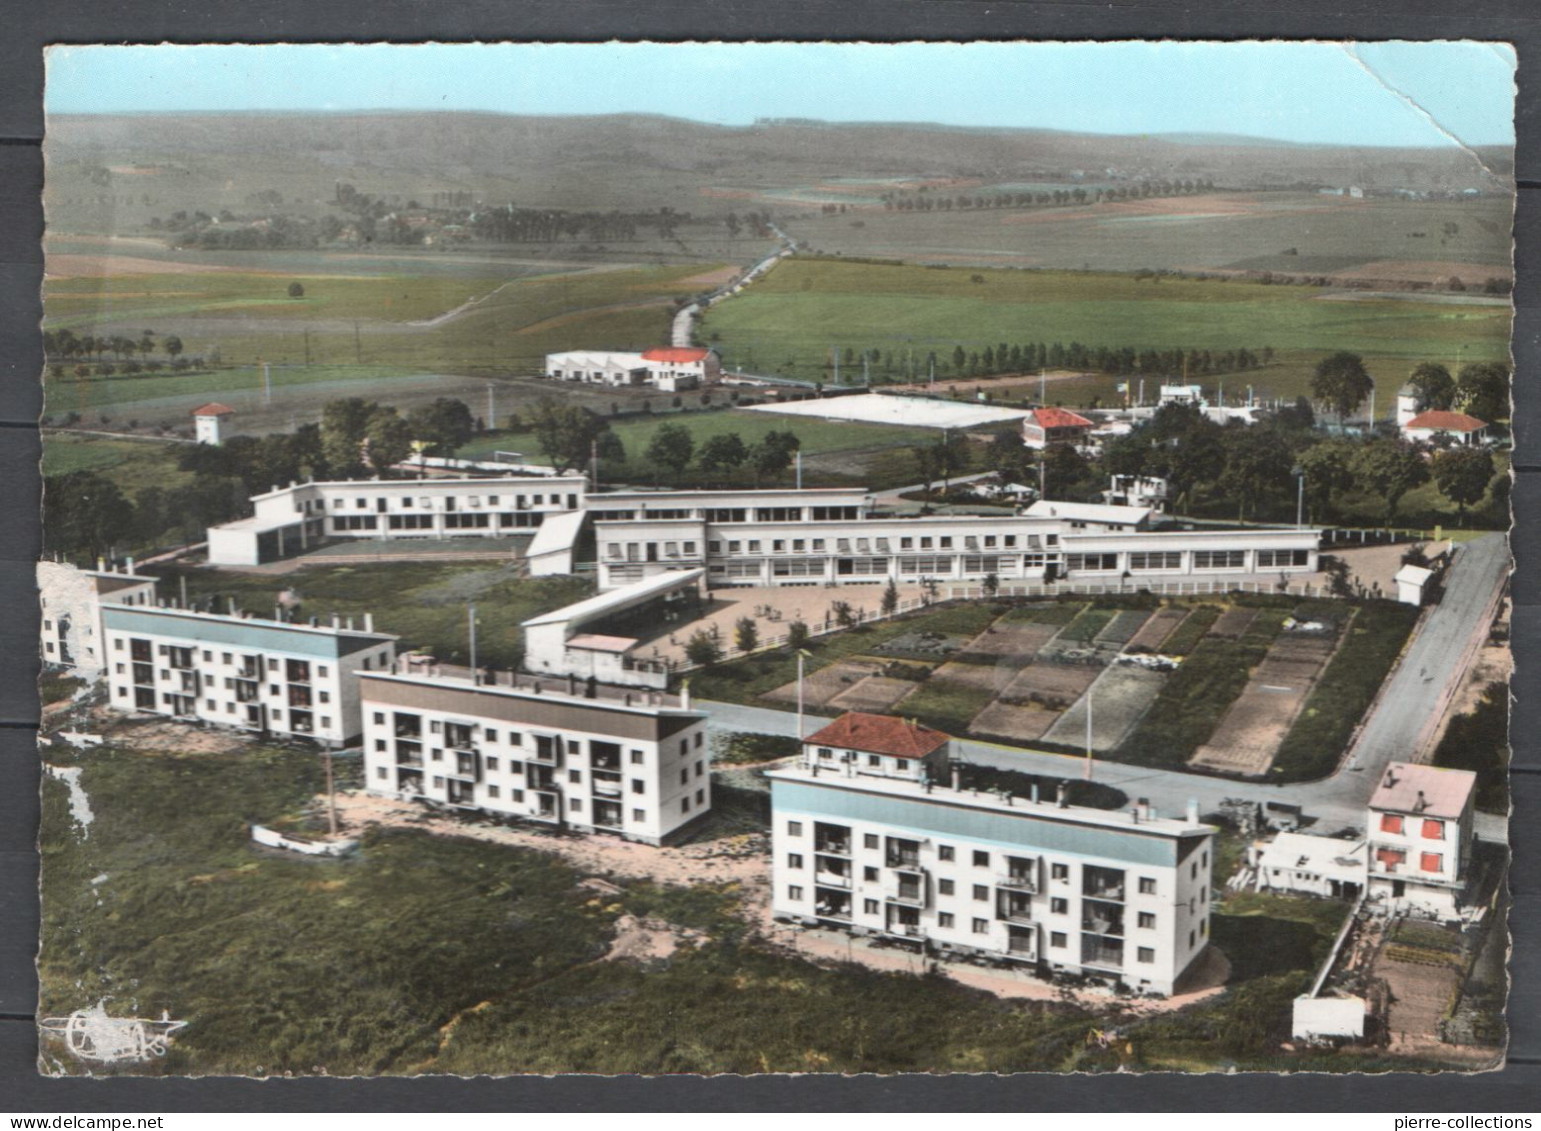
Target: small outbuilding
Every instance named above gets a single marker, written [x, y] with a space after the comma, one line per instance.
[209, 420]
[1412, 584]
[1427, 427]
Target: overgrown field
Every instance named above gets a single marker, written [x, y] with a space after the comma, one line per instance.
[422, 602]
[790, 321]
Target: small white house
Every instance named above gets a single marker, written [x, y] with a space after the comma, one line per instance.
[1412, 582]
[1428, 427]
[1328, 1018]
[209, 420]
[1311, 865]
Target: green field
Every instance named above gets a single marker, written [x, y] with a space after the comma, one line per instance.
[425, 603]
[789, 322]
[131, 464]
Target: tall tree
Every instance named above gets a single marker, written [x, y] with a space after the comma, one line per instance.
[1433, 384]
[1483, 390]
[1342, 381]
[1462, 476]
[343, 426]
[84, 515]
[387, 439]
[1390, 468]
[442, 425]
[565, 432]
[722, 452]
[1329, 468]
[672, 447]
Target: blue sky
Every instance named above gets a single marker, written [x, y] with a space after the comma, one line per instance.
[1368, 94]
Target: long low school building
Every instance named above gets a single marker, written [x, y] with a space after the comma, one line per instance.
[866, 839]
[270, 677]
[837, 536]
[635, 764]
[302, 516]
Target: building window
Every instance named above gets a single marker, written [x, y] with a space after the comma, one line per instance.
[1148, 920]
[1192, 940]
[684, 805]
[869, 906]
[794, 828]
[639, 815]
[1147, 954]
[869, 873]
[1147, 885]
[379, 744]
[1433, 830]
[945, 919]
[491, 735]
[700, 797]
[1432, 862]
[1390, 823]
[380, 771]
[575, 776]
[493, 791]
[1057, 939]
[943, 887]
[981, 891]
[869, 840]
[981, 926]
[438, 782]
[794, 860]
[575, 804]
[379, 718]
[794, 891]
[638, 785]
[636, 757]
[1059, 905]
[874, 760]
[1059, 871]
[945, 852]
[981, 859]
[492, 764]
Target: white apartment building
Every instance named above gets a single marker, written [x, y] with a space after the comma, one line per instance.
[1420, 826]
[71, 600]
[868, 837]
[268, 676]
[834, 536]
[632, 763]
[291, 519]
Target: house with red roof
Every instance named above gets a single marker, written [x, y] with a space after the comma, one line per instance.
[1428, 426]
[1045, 427]
[669, 369]
[1420, 828]
[208, 420]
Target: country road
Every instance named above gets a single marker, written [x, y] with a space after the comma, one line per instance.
[1414, 698]
[685, 321]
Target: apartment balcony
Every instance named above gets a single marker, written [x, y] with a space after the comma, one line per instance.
[832, 879]
[607, 784]
[247, 691]
[1017, 881]
[906, 894]
[1102, 919]
[415, 763]
[1022, 944]
[832, 847]
[905, 930]
[1014, 910]
[903, 861]
[835, 905]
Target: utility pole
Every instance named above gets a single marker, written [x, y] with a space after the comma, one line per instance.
[492, 406]
[307, 348]
[1043, 387]
[358, 345]
[331, 796]
[1372, 408]
[267, 384]
[594, 463]
[836, 351]
[801, 654]
[471, 621]
[1088, 734]
[797, 462]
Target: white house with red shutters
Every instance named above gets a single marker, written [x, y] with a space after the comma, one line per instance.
[1045, 427]
[1420, 838]
[670, 369]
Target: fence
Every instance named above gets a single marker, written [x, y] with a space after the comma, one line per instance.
[1353, 536]
[823, 628]
[1183, 588]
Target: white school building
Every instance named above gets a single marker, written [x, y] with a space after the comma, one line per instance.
[868, 836]
[302, 516]
[835, 536]
[271, 677]
[669, 369]
[590, 759]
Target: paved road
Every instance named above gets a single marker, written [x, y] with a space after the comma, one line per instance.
[685, 321]
[1433, 667]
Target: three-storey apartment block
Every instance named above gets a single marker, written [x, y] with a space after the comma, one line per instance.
[837, 536]
[303, 515]
[269, 676]
[868, 836]
[593, 759]
[72, 601]
[1420, 830]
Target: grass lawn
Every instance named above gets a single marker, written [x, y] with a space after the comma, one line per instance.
[423, 602]
[1343, 693]
[788, 322]
[131, 464]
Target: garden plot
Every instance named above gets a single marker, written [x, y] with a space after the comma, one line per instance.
[1118, 701]
[980, 677]
[1232, 623]
[1123, 628]
[1153, 632]
[825, 684]
[1051, 685]
[875, 693]
[1012, 722]
[1251, 730]
[1006, 642]
[922, 645]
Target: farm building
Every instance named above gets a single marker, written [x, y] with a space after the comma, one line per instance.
[667, 368]
[1427, 427]
[868, 836]
[602, 760]
[1046, 427]
[208, 421]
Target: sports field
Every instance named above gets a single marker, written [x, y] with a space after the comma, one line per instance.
[804, 308]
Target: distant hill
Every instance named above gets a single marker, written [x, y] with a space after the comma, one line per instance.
[113, 172]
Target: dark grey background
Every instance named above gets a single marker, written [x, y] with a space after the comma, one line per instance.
[30, 25]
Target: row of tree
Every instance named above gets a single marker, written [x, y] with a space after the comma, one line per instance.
[65, 345]
[923, 201]
[1343, 383]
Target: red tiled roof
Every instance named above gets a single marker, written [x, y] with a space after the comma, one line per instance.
[676, 353]
[879, 734]
[214, 408]
[1058, 418]
[1437, 421]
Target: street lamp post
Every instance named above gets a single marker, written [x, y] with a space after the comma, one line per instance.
[1300, 496]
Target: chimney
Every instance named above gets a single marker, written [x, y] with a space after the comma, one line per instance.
[957, 777]
[1134, 813]
[369, 622]
[278, 612]
[1143, 806]
[572, 684]
[314, 622]
[129, 567]
[685, 696]
[1061, 795]
[101, 564]
[1193, 810]
[230, 604]
[1035, 791]
[1422, 804]
[336, 621]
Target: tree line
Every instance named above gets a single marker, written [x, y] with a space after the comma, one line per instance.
[923, 200]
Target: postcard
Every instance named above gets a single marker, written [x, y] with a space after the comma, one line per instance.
[646, 558]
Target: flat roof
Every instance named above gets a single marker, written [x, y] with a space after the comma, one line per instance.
[242, 632]
[880, 408]
[1090, 512]
[415, 484]
[259, 525]
[617, 599]
[594, 642]
[1301, 850]
[556, 533]
[606, 696]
